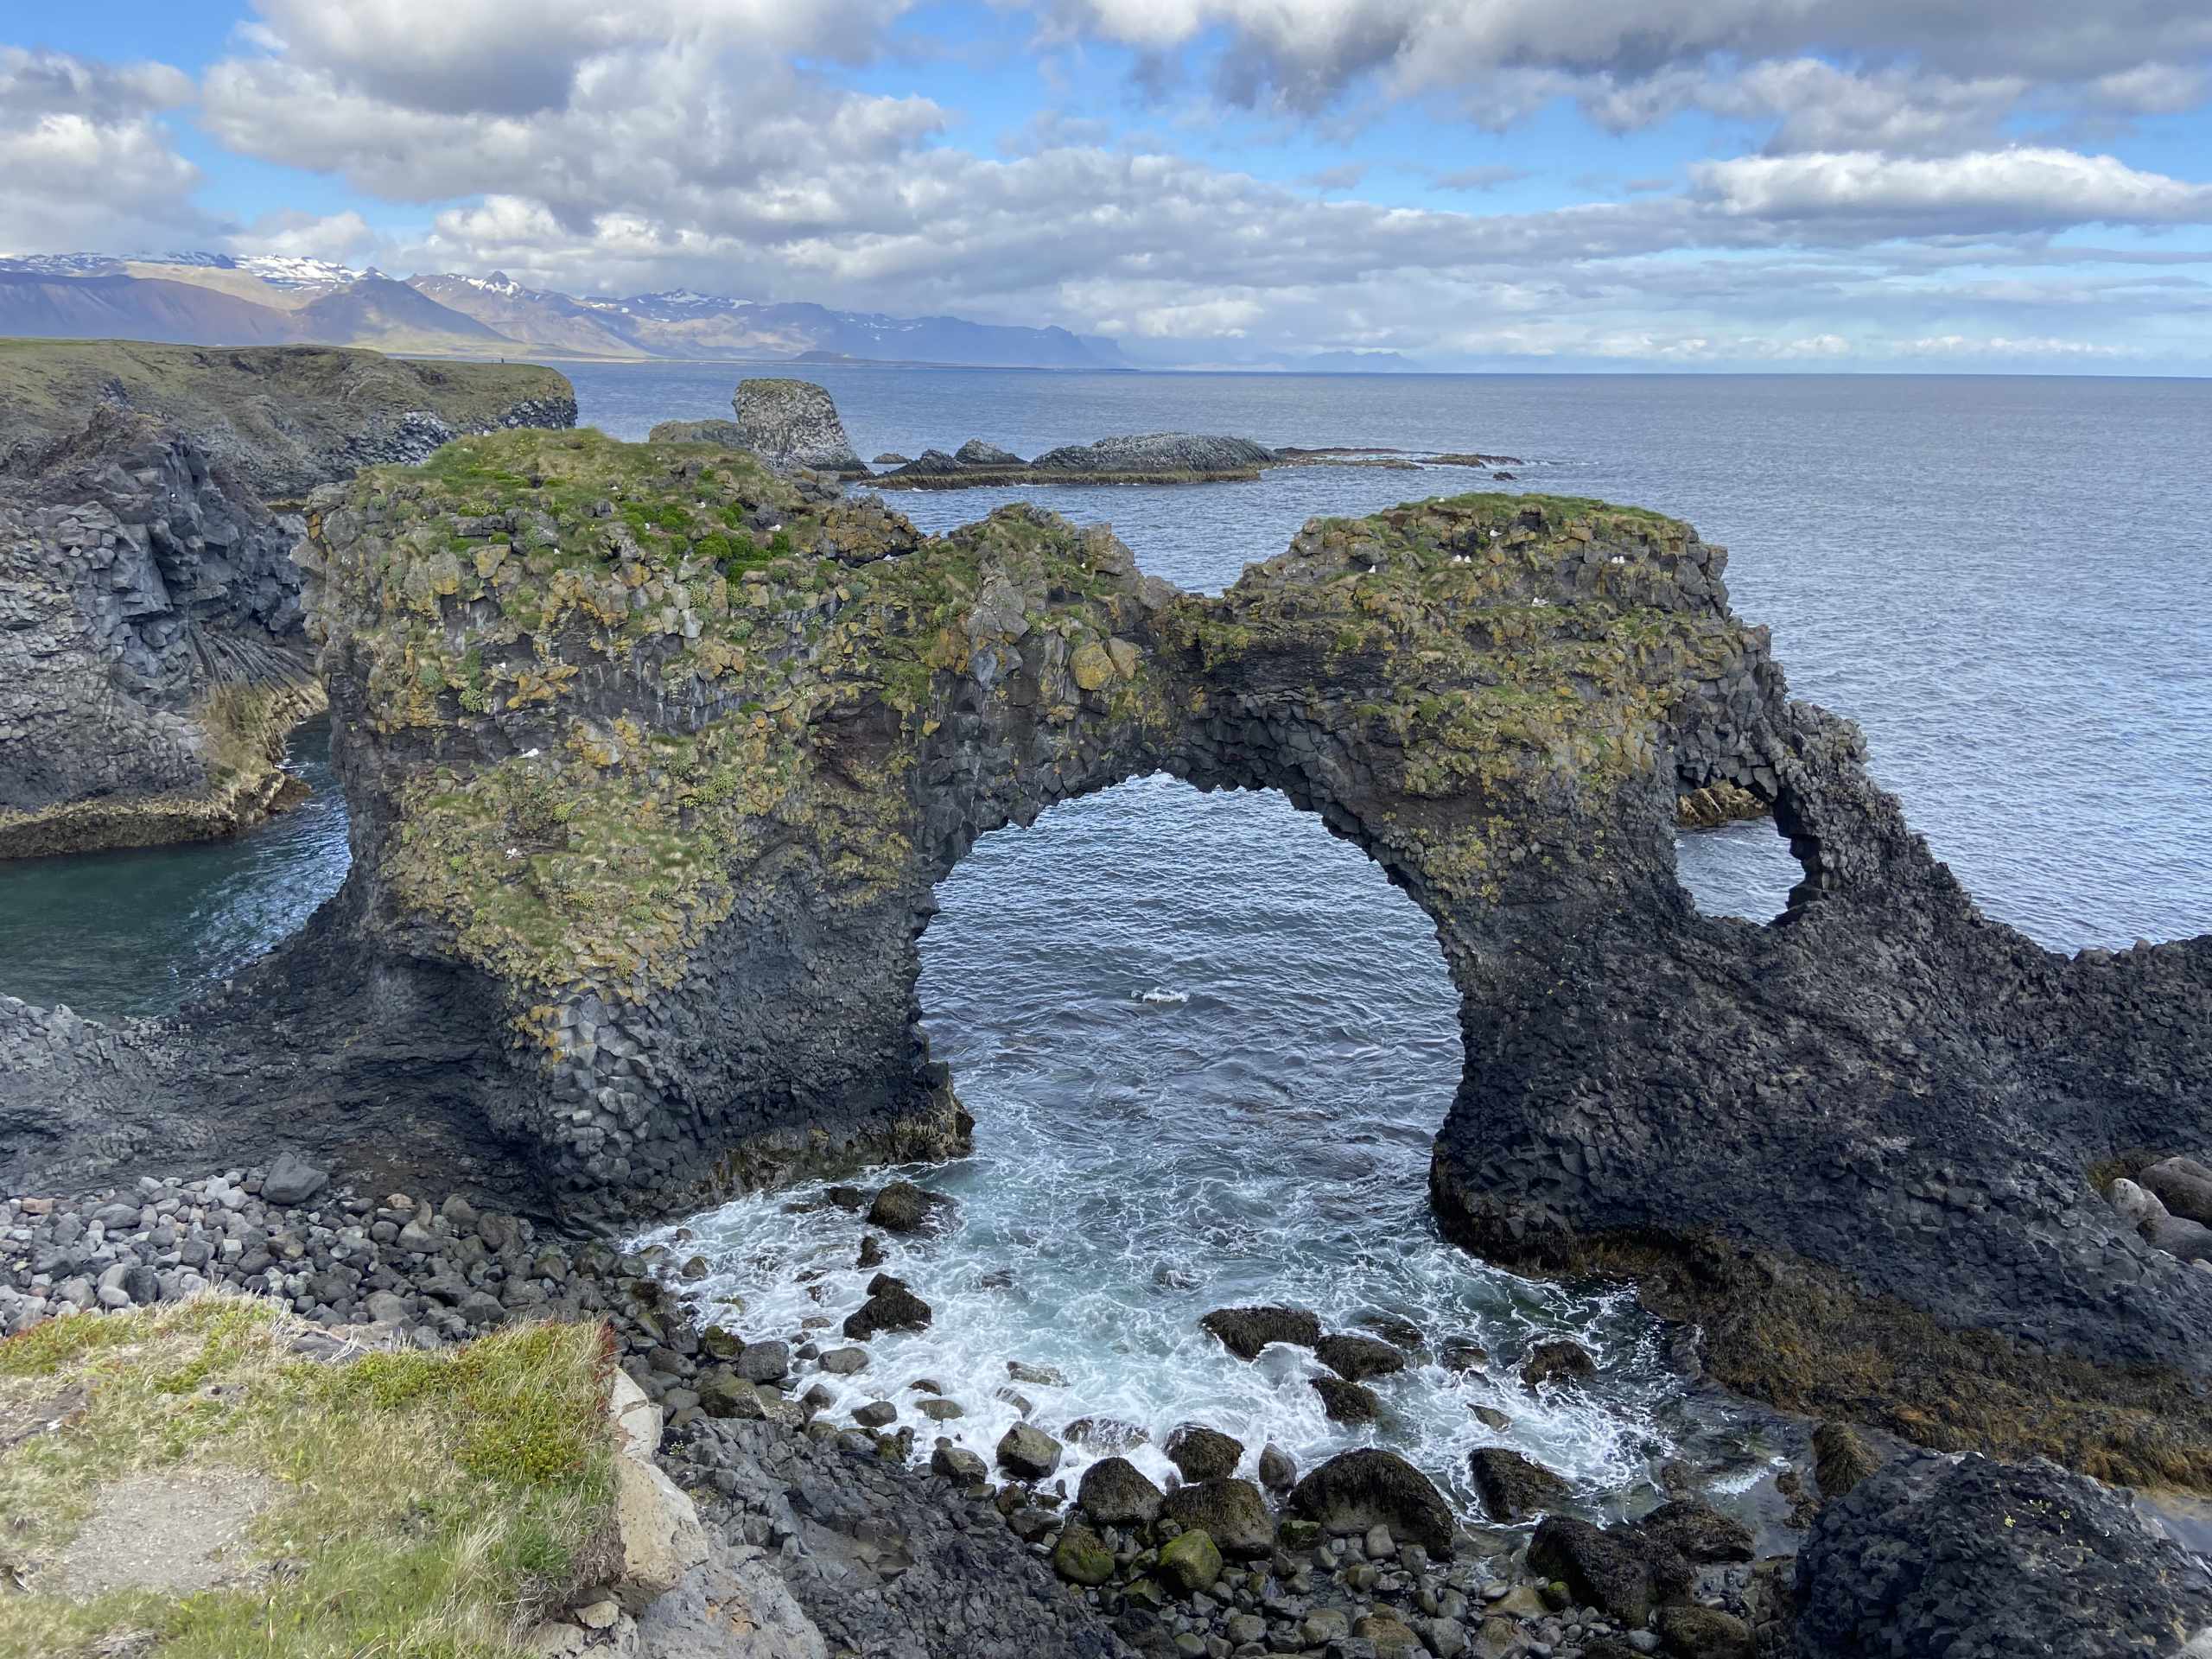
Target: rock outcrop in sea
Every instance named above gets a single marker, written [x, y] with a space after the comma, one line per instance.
[790, 424]
[655, 757]
[151, 658]
[1147, 458]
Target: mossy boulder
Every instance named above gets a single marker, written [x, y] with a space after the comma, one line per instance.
[1081, 1556]
[1190, 1561]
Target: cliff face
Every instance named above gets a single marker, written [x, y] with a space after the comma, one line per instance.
[151, 662]
[656, 756]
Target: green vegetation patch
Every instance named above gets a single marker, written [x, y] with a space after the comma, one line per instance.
[435, 1505]
[675, 629]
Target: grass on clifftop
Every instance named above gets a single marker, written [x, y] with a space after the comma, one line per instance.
[424, 1505]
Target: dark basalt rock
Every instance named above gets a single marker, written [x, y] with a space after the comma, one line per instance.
[1154, 457]
[1357, 1358]
[1157, 452]
[152, 659]
[1231, 1512]
[1557, 1361]
[1940, 1555]
[1347, 1402]
[1896, 1103]
[1697, 1530]
[1114, 1492]
[1247, 1330]
[903, 1207]
[1622, 1573]
[1512, 1487]
[1203, 1453]
[893, 1308]
[1355, 1490]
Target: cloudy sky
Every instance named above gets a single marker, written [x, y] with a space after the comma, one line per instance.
[1878, 184]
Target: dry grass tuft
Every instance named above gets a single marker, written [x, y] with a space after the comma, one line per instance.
[425, 1506]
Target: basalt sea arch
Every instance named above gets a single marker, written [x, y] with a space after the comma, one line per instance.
[655, 760]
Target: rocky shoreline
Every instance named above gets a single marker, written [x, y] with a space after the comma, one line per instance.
[831, 1540]
[655, 755]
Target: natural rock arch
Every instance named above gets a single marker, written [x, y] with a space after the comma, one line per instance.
[655, 760]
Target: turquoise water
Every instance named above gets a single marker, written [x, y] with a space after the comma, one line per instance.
[139, 932]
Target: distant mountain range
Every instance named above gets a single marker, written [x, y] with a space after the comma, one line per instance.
[213, 299]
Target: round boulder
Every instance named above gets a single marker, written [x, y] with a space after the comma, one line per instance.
[1114, 1492]
[1232, 1512]
[1203, 1453]
[1357, 1358]
[1557, 1361]
[1355, 1490]
[1028, 1453]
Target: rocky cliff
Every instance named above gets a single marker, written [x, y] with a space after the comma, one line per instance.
[151, 661]
[656, 757]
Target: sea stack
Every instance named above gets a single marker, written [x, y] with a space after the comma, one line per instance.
[792, 424]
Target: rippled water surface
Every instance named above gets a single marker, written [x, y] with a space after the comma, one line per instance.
[138, 931]
[2008, 582]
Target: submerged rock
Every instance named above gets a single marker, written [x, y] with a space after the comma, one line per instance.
[1347, 1402]
[1247, 1330]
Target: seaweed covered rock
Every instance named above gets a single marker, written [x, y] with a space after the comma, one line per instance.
[1934, 1554]
[1355, 1490]
[1513, 1487]
[1247, 1330]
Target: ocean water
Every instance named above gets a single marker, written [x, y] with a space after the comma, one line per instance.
[1206, 1044]
[140, 931]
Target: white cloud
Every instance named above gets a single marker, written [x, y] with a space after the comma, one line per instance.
[1308, 51]
[1981, 192]
[83, 159]
[490, 57]
[337, 237]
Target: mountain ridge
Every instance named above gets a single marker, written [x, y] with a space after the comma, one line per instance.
[207, 298]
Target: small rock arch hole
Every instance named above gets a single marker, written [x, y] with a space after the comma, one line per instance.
[1746, 869]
